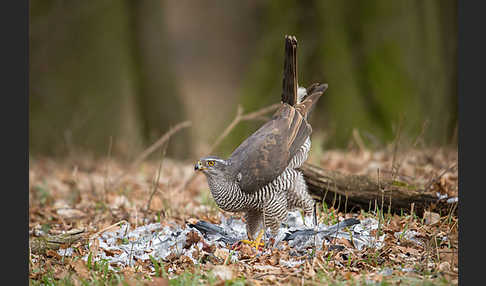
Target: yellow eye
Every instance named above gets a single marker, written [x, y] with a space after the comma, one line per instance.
[210, 163]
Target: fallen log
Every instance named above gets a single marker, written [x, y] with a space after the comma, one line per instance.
[346, 191]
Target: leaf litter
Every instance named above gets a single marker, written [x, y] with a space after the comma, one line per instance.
[76, 193]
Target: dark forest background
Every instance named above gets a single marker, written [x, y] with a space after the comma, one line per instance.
[125, 71]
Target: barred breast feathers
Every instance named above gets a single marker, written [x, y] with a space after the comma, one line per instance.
[229, 197]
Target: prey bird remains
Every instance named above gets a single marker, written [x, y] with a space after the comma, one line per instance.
[260, 178]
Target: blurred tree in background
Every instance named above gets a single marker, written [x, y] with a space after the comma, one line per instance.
[128, 70]
[100, 72]
[385, 62]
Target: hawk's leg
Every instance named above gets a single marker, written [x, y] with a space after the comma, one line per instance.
[298, 197]
[275, 212]
[253, 219]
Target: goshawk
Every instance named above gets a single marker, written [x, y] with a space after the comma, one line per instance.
[260, 178]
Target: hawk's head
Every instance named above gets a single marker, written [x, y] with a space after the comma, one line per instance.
[211, 165]
[217, 170]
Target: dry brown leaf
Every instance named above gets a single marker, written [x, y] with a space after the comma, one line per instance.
[246, 251]
[158, 281]
[221, 253]
[409, 250]
[61, 273]
[311, 272]
[210, 248]
[185, 260]
[76, 280]
[270, 278]
[445, 266]
[112, 252]
[81, 268]
[94, 247]
[129, 281]
[223, 272]
[431, 218]
[53, 253]
[128, 272]
[274, 258]
[266, 268]
[70, 213]
[116, 201]
[255, 282]
[347, 275]
[192, 238]
[345, 242]
[156, 204]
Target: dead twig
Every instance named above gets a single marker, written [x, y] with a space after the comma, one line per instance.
[106, 182]
[396, 165]
[107, 228]
[156, 181]
[231, 126]
[159, 142]
[239, 118]
[436, 179]
[359, 140]
[152, 149]
[421, 134]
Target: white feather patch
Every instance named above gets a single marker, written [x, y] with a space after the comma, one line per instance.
[301, 92]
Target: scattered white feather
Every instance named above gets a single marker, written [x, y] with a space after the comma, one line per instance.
[126, 245]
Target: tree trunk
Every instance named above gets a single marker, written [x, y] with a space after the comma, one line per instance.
[345, 191]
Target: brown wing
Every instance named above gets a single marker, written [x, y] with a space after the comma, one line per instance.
[290, 82]
[264, 155]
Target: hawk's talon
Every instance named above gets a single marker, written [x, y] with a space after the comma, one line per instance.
[257, 243]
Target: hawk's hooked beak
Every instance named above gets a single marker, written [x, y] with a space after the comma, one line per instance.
[198, 166]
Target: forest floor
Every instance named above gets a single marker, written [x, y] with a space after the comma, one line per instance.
[83, 198]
